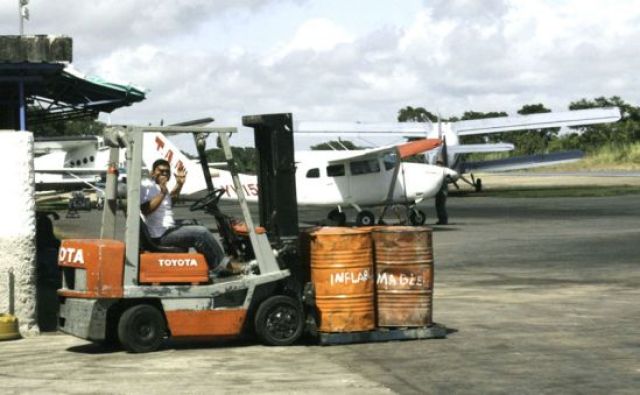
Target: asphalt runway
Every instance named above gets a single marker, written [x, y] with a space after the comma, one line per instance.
[539, 295]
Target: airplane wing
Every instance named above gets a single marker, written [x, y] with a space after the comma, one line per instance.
[405, 150]
[523, 162]
[480, 148]
[72, 170]
[464, 128]
[45, 145]
[536, 121]
[363, 128]
[64, 186]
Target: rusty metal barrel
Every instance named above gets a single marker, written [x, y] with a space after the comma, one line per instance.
[343, 278]
[404, 275]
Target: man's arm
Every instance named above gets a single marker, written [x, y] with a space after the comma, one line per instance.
[155, 202]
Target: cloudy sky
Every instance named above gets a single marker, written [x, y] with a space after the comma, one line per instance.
[346, 59]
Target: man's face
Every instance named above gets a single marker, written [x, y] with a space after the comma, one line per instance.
[161, 173]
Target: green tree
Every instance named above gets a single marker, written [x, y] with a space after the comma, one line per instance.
[245, 158]
[623, 132]
[74, 127]
[418, 114]
[339, 145]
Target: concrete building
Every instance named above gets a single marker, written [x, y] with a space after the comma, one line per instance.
[38, 84]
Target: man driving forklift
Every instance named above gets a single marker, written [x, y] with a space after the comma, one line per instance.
[156, 205]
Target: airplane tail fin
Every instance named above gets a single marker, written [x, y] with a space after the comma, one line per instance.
[158, 146]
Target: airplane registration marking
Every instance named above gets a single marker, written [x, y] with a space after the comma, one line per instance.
[249, 189]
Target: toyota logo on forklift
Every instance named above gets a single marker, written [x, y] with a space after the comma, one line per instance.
[71, 255]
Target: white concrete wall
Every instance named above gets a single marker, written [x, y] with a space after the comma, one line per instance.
[17, 228]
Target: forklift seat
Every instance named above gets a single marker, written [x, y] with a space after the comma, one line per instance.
[148, 244]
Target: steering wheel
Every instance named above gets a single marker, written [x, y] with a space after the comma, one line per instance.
[211, 197]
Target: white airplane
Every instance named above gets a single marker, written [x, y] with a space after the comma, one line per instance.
[449, 132]
[336, 179]
[70, 162]
[359, 178]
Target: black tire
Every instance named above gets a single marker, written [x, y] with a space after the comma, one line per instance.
[279, 321]
[338, 217]
[141, 329]
[365, 218]
[478, 185]
[417, 217]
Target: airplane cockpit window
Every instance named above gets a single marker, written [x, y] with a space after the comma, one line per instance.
[335, 170]
[390, 160]
[364, 166]
[313, 173]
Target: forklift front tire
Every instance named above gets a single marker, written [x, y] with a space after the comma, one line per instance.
[279, 321]
[141, 329]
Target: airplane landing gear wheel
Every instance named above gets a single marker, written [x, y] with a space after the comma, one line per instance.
[478, 185]
[365, 218]
[141, 328]
[279, 321]
[338, 217]
[417, 217]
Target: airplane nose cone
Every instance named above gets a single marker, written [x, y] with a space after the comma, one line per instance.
[452, 174]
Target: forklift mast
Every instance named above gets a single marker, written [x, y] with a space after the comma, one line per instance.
[276, 173]
[278, 203]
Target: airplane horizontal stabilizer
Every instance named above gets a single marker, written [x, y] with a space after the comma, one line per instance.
[480, 148]
[537, 121]
[523, 162]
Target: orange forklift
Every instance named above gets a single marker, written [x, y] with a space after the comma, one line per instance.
[137, 293]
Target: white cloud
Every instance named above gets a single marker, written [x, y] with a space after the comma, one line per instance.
[451, 56]
[317, 35]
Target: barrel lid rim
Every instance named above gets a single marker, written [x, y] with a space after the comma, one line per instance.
[338, 230]
[400, 229]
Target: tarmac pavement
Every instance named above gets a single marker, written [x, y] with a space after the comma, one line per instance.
[539, 295]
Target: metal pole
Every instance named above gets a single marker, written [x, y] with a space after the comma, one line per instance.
[22, 107]
[20, 17]
[132, 231]
[11, 291]
[110, 209]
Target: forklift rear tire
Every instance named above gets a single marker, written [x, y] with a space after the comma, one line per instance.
[279, 321]
[141, 329]
[365, 218]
